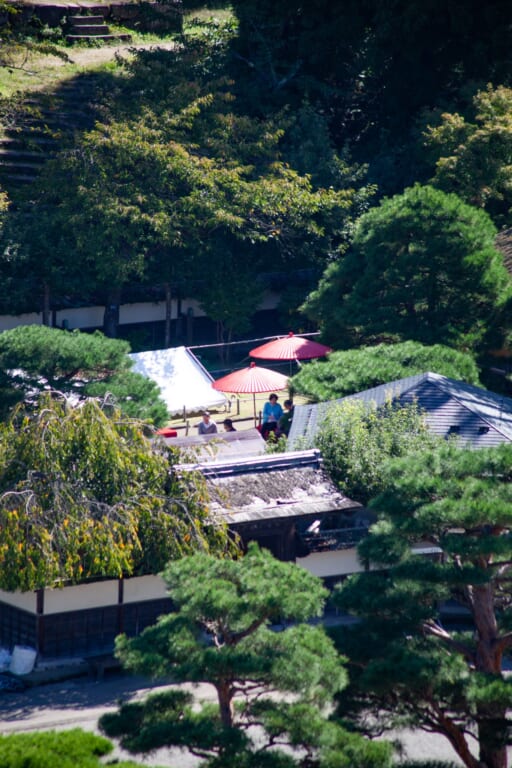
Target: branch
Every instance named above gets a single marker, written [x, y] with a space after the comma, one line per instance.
[433, 629]
[504, 642]
[236, 637]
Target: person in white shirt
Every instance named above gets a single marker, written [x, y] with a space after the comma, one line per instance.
[206, 426]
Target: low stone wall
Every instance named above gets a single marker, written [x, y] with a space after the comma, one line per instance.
[144, 16]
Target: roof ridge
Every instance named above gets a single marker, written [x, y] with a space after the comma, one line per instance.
[275, 461]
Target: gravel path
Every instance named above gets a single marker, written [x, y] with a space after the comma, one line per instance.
[80, 702]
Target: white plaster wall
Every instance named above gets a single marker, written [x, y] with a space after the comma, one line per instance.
[26, 601]
[144, 588]
[338, 563]
[143, 312]
[81, 597]
[82, 317]
[12, 321]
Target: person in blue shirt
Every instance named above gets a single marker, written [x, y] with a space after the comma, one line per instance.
[272, 412]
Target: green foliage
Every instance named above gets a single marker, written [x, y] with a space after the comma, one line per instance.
[276, 444]
[135, 395]
[419, 261]
[222, 633]
[182, 184]
[372, 68]
[473, 156]
[84, 494]
[408, 666]
[67, 749]
[351, 371]
[357, 440]
[34, 358]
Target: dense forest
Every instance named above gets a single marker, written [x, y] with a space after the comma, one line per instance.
[280, 145]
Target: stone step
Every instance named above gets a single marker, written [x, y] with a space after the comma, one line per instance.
[78, 38]
[19, 155]
[48, 122]
[59, 111]
[24, 143]
[20, 168]
[92, 30]
[19, 179]
[76, 21]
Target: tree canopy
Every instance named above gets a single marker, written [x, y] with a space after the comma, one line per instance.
[84, 494]
[354, 370]
[223, 632]
[408, 664]
[473, 154]
[357, 440]
[34, 358]
[374, 68]
[423, 266]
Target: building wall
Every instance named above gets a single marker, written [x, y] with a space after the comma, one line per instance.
[80, 597]
[83, 619]
[143, 312]
[333, 563]
[25, 601]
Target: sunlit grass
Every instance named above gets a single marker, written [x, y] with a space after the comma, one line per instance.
[33, 72]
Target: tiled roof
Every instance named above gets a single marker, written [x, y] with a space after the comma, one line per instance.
[477, 416]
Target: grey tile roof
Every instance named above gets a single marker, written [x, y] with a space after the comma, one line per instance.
[480, 418]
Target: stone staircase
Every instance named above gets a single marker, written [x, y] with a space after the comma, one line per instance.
[91, 28]
[44, 124]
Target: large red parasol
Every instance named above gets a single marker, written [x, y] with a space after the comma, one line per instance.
[251, 380]
[290, 347]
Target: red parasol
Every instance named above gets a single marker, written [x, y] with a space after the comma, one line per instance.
[290, 348]
[251, 380]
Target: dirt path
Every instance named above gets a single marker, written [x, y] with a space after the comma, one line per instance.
[90, 57]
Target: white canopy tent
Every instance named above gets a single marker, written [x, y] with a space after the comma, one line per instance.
[185, 384]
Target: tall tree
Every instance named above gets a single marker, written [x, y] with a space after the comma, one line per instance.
[34, 358]
[372, 67]
[474, 155]
[221, 633]
[354, 370]
[84, 494]
[418, 261]
[406, 664]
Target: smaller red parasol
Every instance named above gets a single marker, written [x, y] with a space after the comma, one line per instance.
[290, 347]
[251, 380]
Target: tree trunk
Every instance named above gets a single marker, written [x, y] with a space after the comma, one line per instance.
[111, 314]
[46, 304]
[492, 736]
[219, 332]
[225, 696]
[168, 314]
[459, 742]
[492, 730]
